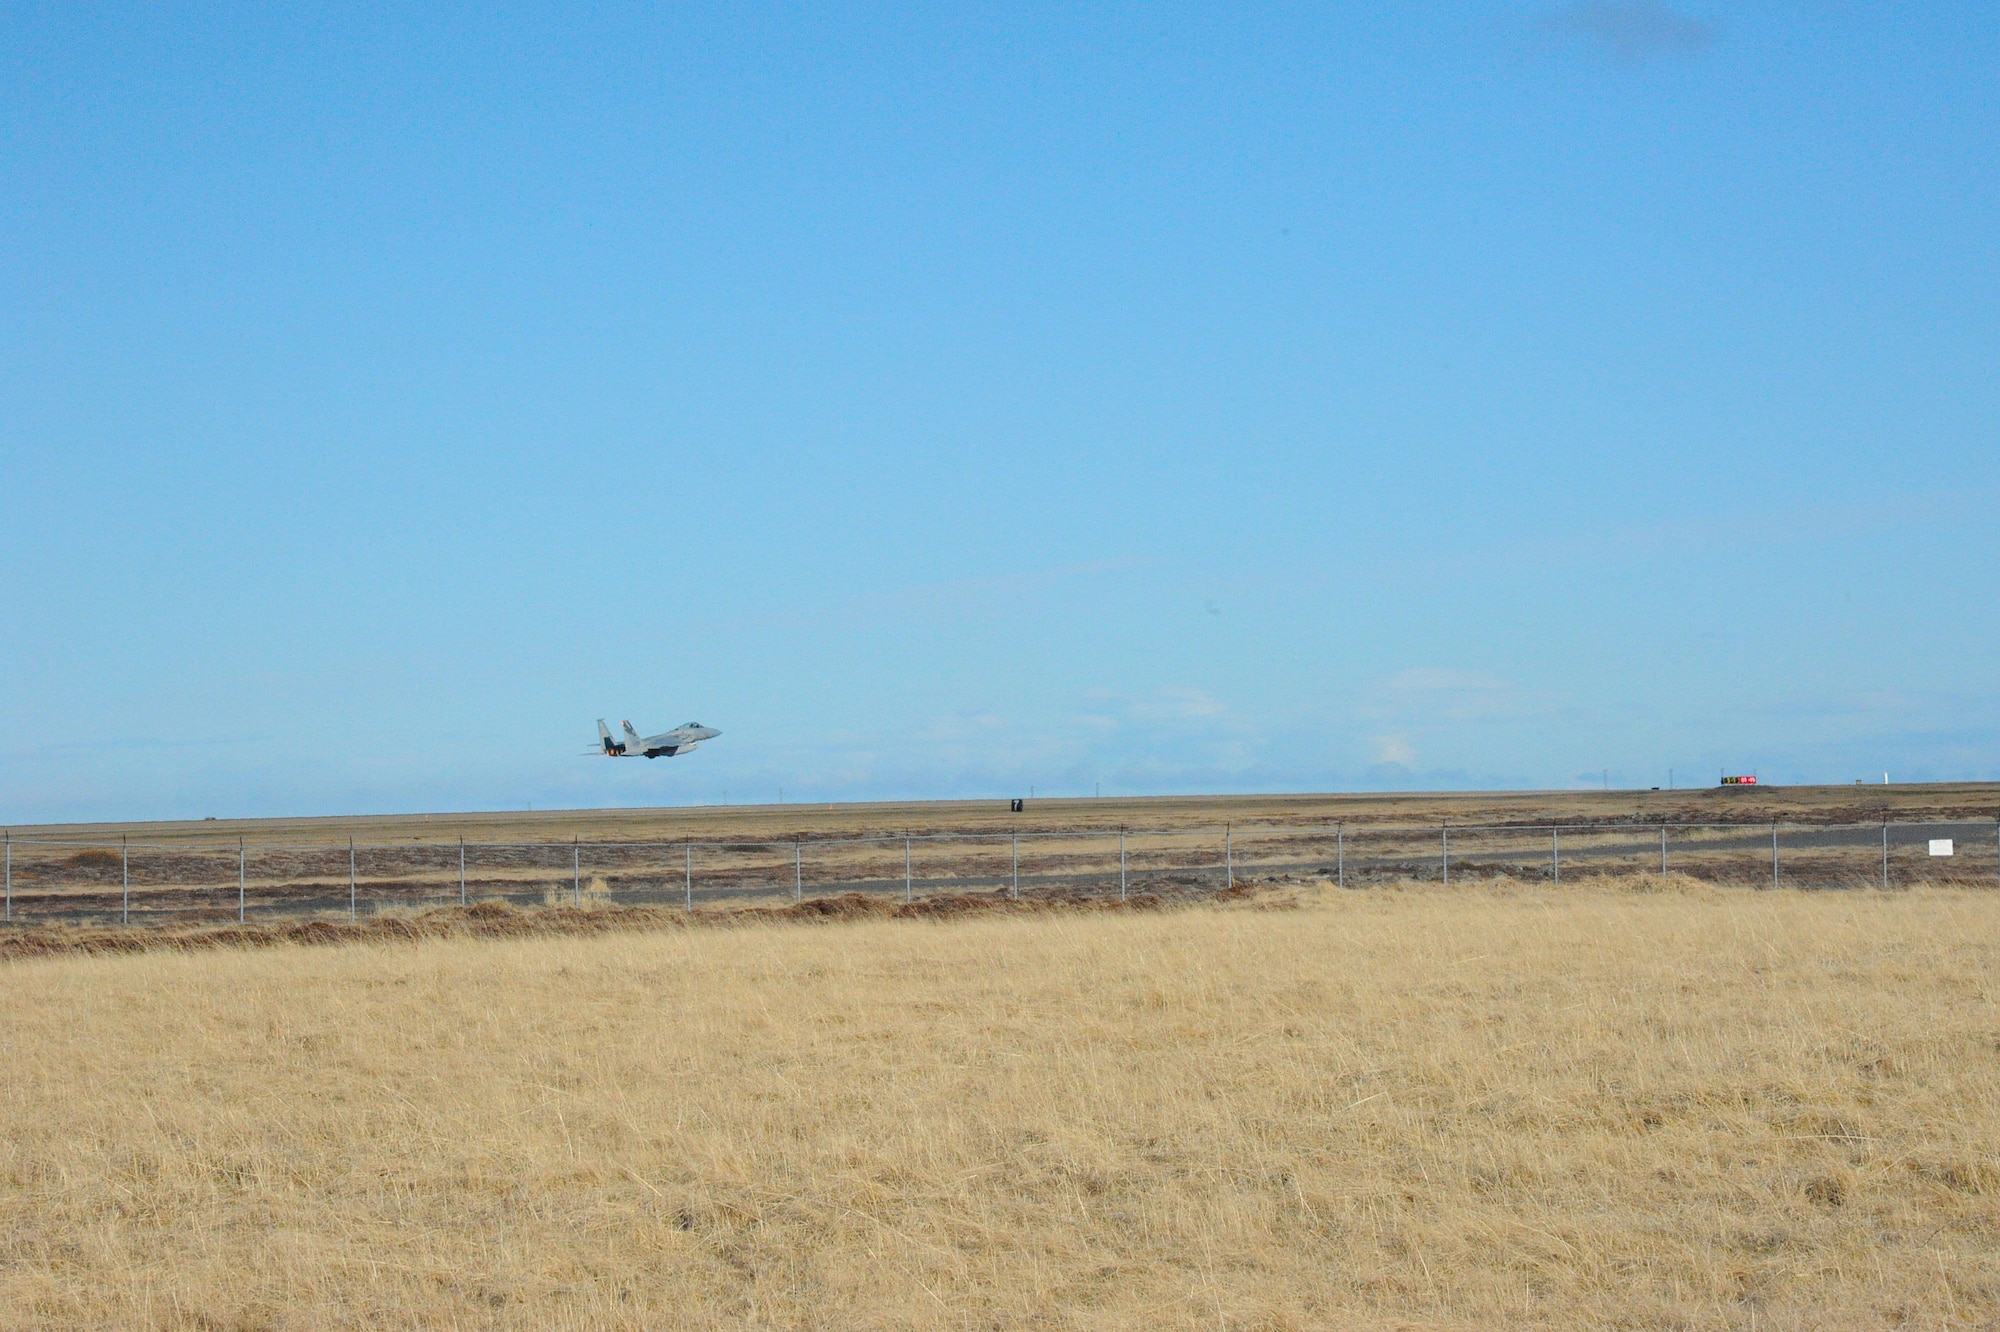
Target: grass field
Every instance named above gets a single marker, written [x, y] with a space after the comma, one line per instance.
[1636, 1105]
[1753, 804]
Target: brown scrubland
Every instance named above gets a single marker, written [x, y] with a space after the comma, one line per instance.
[1633, 1103]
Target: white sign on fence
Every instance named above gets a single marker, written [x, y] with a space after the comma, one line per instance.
[1940, 846]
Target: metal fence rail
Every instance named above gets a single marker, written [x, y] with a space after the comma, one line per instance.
[108, 883]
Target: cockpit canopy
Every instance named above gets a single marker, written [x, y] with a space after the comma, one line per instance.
[693, 726]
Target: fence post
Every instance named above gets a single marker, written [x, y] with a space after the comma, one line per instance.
[1556, 850]
[1228, 860]
[242, 880]
[576, 868]
[907, 893]
[1340, 855]
[1885, 857]
[353, 909]
[1014, 842]
[798, 871]
[461, 871]
[1121, 864]
[1446, 830]
[1774, 854]
[688, 879]
[1663, 850]
[125, 875]
[10, 874]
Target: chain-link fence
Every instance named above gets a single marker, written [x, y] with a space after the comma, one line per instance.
[50, 882]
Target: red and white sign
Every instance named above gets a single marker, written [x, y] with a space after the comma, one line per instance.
[1739, 781]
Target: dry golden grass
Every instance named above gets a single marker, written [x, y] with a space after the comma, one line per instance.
[1389, 1109]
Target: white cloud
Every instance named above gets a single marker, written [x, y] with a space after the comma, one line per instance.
[1395, 749]
[1176, 704]
[1433, 695]
[1634, 32]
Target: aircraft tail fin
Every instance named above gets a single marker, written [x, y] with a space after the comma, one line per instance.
[630, 733]
[604, 738]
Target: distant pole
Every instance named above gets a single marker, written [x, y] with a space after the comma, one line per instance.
[242, 880]
[1774, 855]
[907, 892]
[798, 871]
[688, 876]
[1663, 849]
[1121, 864]
[1340, 855]
[1014, 842]
[353, 907]
[10, 874]
[125, 875]
[1885, 857]
[1228, 860]
[1556, 851]
[461, 871]
[576, 869]
[1446, 830]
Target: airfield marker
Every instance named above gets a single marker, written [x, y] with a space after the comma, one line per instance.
[1014, 840]
[1774, 855]
[125, 875]
[1446, 830]
[1340, 855]
[1121, 864]
[10, 874]
[1663, 849]
[240, 880]
[353, 911]
[689, 879]
[461, 871]
[906, 870]
[798, 871]
[576, 870]
[1556, 851]
[1885, 857]
[1228, 860]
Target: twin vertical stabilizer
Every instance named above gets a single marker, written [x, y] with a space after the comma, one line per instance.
[666, 744]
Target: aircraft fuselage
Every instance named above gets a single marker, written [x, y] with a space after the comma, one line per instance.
[664, 745]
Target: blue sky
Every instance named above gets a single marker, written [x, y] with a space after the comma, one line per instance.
[947, 400]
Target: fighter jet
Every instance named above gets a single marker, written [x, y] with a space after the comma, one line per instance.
[677, 741]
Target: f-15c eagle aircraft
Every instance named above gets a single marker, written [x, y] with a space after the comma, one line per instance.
[677, 741]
